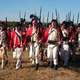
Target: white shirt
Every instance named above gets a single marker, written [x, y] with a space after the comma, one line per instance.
[34, 35]
[52, 34]
[65, 33]
[79, 37]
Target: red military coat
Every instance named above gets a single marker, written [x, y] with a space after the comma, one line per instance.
[15, 40]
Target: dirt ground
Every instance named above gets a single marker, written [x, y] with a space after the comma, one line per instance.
[27, 72]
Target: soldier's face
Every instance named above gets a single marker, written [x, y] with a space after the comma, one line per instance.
[70, 28]
[15, 28]
[29, 25]
[33, 22]
[0, 29]
[79, 29]
[62, 26]
[53, 24]
[49, 25]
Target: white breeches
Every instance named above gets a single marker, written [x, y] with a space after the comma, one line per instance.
[79, 42]
[52, 53]
[2, 58]
[65, 51]
[17, 54]
[34, 52]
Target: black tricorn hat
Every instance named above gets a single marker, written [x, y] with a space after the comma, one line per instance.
[78, 25]
[40, 24]
[71, 23]
[32, 16]
[22, 20]
[54, 20]
[65, 23]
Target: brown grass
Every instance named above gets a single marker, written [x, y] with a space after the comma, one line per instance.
[29, 73]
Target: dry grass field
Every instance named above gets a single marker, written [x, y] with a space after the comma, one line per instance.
[27, 72]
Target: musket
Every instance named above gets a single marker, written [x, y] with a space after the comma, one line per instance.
[66, 17]
[70, 16]
[56, 13]
[19, 15]
[78, 18]
[58, 18]
[73, 19]
[40, 13]
[52, 15]
[48, 17]
[43, 19]
[6, 22]
[25, 15]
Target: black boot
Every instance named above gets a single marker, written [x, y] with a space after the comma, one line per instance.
[55, 67]
[42, 57]
[51, 64]
[48, 63]
[6, 62]
[37, 66]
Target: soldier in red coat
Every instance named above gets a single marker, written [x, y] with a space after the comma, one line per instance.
[12, 35]
[3, 52]
[17, 47]
[34, 46]
[28, 36]
[46, 31]
[52, 47]
[78, 36]
[72, 37]
[65, 50]
[28, 33]
[8, 37]
[23, 39]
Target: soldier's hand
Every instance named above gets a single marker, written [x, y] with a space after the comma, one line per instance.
[59, 42]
